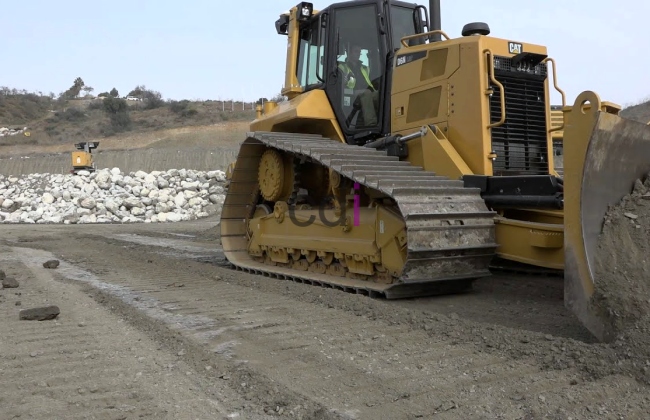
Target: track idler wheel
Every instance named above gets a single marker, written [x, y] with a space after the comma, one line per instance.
[276, 176]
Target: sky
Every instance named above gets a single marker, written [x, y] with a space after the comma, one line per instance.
[217, 49]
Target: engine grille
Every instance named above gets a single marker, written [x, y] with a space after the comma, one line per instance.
[521, 142]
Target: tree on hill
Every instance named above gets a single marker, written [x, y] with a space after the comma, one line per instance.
[118, 112]
[75, 89]
[151, 98]
[138, 91]
[88, 89]
[114, 93]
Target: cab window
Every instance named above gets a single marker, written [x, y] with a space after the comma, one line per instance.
[310, 54]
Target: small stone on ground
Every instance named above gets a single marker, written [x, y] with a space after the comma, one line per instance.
[51, 264]
[9, 283]
[40, 314]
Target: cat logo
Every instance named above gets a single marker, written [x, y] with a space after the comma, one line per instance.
[515, 48]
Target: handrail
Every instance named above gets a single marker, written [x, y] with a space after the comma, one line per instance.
[436, 31]
[561, 127]
[502, 92]
[318, 41]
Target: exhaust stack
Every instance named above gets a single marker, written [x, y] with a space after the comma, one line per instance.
[434, 12]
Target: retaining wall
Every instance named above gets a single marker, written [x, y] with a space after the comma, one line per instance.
[127, 160]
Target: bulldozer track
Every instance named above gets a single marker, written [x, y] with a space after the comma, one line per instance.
[450, 231]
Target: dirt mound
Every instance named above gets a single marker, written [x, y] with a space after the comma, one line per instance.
[639, 112]
[622, 275]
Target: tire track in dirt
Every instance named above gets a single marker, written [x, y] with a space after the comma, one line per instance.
[528, 302]
[356, 364]
[88, 363]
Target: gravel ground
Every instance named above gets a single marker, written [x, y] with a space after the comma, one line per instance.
[89, 362]
[151, 296]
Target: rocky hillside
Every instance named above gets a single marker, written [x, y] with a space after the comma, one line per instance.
[639, 112]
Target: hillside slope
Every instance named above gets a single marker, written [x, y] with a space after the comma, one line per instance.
[52, 121]
[218, 136]
[19, 109]
[54, 125]
[639, 112]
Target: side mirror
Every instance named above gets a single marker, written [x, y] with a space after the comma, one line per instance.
[282, 25]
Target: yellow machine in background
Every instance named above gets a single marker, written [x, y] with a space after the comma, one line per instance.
[441, 167]
[557, 133]
[83, 160]
[557, 122]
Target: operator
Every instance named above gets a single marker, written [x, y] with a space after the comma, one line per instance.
[357, 78]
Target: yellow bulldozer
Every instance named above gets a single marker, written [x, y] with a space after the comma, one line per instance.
[405, 163]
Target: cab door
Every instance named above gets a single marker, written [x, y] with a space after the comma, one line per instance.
[349, 25]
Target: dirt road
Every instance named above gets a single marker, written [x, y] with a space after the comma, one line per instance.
[153, 325]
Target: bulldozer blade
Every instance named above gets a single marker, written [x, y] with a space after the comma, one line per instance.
[604, 155]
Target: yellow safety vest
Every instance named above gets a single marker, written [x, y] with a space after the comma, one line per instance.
[364, 71]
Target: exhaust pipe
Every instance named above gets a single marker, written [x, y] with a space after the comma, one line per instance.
[434, 13]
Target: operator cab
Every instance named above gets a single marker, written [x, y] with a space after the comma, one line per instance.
[347, 49]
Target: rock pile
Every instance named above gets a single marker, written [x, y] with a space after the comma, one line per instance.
[5, 131]
[110, 196]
